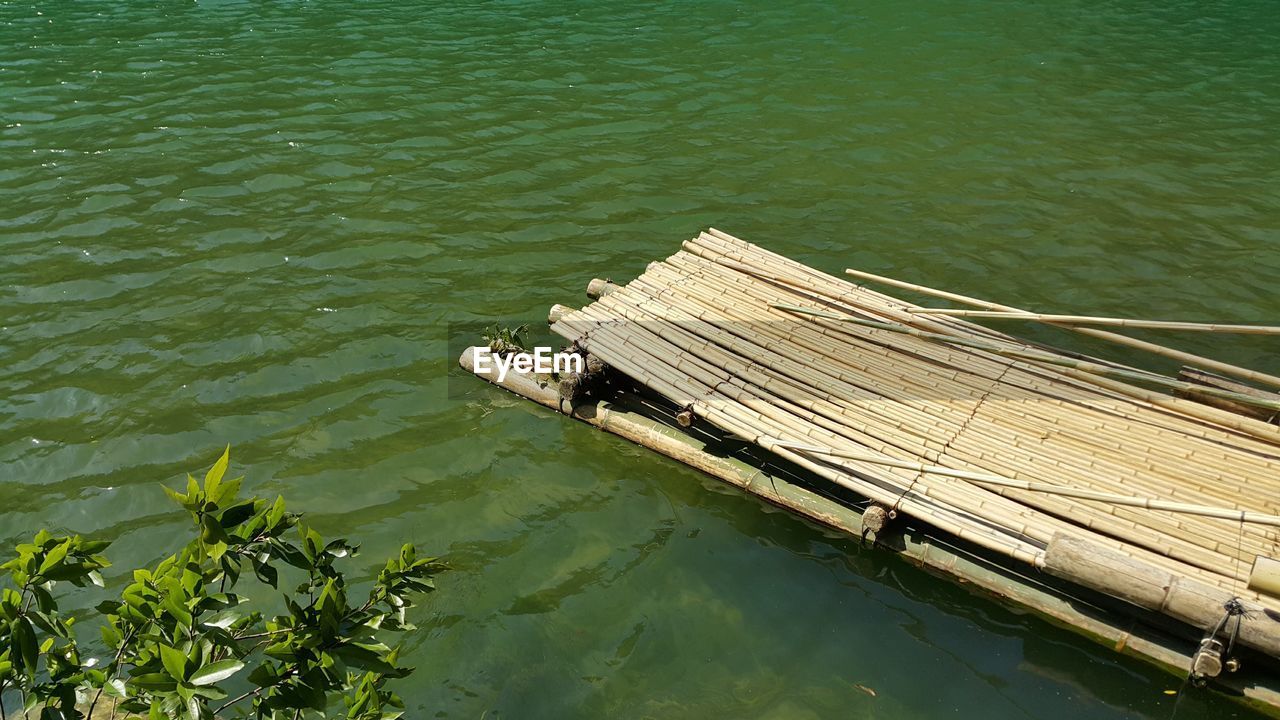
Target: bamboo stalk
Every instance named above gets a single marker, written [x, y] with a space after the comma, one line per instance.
[606, 330]
[1047, 358]
[1105, 321]
[989, 479]
[1179, 355]
[904, 379]
[691, 283]
[1204, 561]
[982, 442]
[1175, 422]
[727, 418]
[1210, 533]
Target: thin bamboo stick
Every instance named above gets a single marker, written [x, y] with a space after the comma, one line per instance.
[1161, 350]
[1243, 516]
[1104, 321]
[1046, 358]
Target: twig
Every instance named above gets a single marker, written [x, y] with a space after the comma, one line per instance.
[114, 663]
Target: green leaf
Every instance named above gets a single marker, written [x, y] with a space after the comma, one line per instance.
[154, 682]
[177, 609]
[175, 495]
[214, 477]
[276, 513]
[227, 492]
[175, 661]
[266, 573]
[264, 675]
[55, 557]
[222, 620]
[24, 636]
[216, 672]
[116, 688]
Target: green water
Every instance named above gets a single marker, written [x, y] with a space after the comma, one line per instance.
[253, 222]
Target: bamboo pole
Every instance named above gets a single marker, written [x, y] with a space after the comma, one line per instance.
[690, 283]
[620, 352]
[1104, 321]
[1174, 422]
[698, 283]
[1209, 533]
[702, 246]
[904, 379]
[733, 420]
[1047, 358]
[1179, 355]
[1203, 561]
[1218, 419]
[1243, 516]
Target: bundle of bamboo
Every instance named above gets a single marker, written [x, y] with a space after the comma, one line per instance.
[987, 437]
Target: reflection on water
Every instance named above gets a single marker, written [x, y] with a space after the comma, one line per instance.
[252, 223]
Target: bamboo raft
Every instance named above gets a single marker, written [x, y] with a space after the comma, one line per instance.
[1160, 506]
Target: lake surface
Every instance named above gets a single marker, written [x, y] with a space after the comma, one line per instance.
[253, 223]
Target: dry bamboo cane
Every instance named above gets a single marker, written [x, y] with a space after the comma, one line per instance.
[1271, 466]
[1182, 427]
[906, 379]
[692, 349]
[1214, 580]
[976, 329]
[1168, 352]
[1204, 560]
[766, 405]
[842, 289]
[1103, 321]
[1243, 516]
[724, 415]
[621, 359]
[1220, 419]
[1211, 531]
[1268, 452]
[996, 367]
[1036, 356]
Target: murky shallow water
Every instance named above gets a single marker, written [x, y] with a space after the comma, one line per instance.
[253, 223]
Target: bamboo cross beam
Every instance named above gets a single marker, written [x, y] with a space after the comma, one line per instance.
[1108, 321]
[1179, 355]
[1037, 356]
[1244, 516]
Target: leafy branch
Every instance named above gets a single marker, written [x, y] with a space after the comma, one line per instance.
[179, 632]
